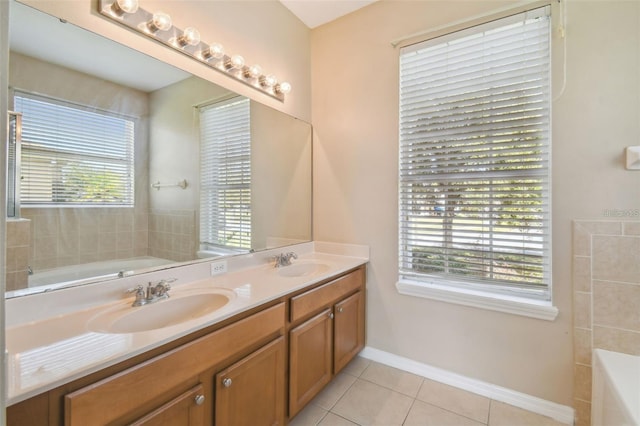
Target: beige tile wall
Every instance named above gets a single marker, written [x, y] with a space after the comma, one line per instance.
[18, 237]
[69, 236]
[50, 238]
[172, 234]
[606, 298]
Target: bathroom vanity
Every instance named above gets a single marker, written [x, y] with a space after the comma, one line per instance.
[258, 360]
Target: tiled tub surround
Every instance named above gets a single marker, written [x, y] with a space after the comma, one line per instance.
[18, 238]
[49, 344]
[172, 234]
[606, 284]
[69, 236]
[48, 238]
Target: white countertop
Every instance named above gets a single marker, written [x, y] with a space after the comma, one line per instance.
[49, 343]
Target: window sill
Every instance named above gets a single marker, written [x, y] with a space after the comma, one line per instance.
[493, 302]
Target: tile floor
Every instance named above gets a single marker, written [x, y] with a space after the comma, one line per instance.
[369, 393]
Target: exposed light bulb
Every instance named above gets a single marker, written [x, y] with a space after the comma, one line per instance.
[190, 36]
[268, 80]
[160, 22]
[120, 7]
[215, 50]
[236, 61]
[283, 88]
[254, 71]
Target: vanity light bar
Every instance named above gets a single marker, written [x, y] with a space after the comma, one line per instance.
[159, 26]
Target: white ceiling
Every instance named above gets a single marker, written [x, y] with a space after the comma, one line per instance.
[317, 12]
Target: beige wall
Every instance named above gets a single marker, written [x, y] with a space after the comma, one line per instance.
[280, 178]
[174, 151]
[174, 154]
[355, 117]
[264, 32]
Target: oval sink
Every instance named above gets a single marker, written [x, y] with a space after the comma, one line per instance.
[164, 313]
[302, 269]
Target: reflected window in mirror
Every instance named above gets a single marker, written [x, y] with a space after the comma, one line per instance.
[225, 176]
[74, 155]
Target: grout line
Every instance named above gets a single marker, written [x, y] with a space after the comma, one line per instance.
[489, 413]
[409, 411]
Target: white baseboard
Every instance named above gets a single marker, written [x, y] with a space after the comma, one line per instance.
[558, 412]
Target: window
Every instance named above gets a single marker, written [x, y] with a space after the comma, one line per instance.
[474, 159]
[225, 175]
[74, 155]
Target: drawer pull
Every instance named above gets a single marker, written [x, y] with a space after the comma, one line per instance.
[340, 309]
[227, 382]
[199, 399]
[331, 315]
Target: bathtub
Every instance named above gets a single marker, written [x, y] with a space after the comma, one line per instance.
[104, 269]
[616, 389]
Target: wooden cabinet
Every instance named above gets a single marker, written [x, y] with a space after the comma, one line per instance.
[251, 392]
[348, 330]
[319, 347]
[310, 357]
[163, 386]
[246, 371]
[186, 409]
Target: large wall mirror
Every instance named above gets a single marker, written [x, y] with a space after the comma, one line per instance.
[128, 164]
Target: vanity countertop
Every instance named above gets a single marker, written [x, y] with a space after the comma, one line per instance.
[47, 350]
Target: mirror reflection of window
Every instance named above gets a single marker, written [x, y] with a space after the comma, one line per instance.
[225, 176]
[72, 155]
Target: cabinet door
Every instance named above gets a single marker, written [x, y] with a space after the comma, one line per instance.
[309, 360]
[185, 410]
[348, 330]
[251, 392]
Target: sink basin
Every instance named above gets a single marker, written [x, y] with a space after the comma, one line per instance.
[302, 269]
[178, 309]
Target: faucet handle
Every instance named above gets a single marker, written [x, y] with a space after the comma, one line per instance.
[162, 287]
[136, 289]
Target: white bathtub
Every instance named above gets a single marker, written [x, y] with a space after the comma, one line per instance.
[616, 389]
[109, 268]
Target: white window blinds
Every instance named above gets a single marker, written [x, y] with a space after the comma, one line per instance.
[474, 157]
[225, 175]
[73, 155]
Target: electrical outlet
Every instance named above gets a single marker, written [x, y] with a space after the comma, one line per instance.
[219, 267]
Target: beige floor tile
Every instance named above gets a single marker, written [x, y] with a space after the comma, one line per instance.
[366, 403]
[334, 391]
[507, 415]
[459, 401]
[356, 366]
[333, 420]
[423, 414]
[392, 378]
[311, 415]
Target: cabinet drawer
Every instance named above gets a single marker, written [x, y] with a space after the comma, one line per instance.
[134, 392]
[323, 296]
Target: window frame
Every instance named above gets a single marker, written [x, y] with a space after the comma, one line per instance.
[482, 293]
[128, 160]
[208, 190]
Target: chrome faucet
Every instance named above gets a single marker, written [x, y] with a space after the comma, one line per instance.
[153, 293]
[284, 259]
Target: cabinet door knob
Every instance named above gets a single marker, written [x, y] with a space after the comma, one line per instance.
[226, 382]
[199, 399]
[340, 309]
[331, 315]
